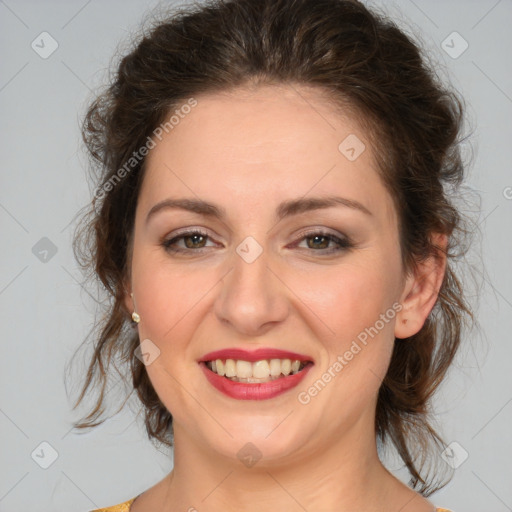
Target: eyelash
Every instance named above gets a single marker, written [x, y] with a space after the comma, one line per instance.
[343, 243]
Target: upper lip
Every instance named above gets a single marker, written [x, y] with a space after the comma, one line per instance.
[253, 355]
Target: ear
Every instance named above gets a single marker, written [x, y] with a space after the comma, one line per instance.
[421, 289]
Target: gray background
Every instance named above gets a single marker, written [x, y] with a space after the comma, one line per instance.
[45, 313]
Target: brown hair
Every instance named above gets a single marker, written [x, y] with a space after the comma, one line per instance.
[360, 59]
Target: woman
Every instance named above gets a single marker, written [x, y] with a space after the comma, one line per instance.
[272, 216]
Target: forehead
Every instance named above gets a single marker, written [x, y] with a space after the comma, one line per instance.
[261, 144]
[263, 123]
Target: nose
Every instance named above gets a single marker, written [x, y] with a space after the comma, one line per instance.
[253, 299]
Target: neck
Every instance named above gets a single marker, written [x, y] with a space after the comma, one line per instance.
[345, 474]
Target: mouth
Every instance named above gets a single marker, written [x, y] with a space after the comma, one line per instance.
[256, 372]
[256, 375]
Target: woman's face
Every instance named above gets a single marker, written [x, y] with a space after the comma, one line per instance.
[264, 274]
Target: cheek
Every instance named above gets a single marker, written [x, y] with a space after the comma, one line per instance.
[171, 301]
[359, 306]
[352, 298]
[168, 295]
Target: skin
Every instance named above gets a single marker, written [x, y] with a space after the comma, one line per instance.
[246, 151]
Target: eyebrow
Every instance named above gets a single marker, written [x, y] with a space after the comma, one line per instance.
[284, 209]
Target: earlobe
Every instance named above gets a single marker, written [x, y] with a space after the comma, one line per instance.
[131, 308]
[421, 289]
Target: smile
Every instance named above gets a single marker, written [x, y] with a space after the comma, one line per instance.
[257, 375]
[257, 372]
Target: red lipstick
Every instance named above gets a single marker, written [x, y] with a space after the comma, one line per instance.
[254, 391]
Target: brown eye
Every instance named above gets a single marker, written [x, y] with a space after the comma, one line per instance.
[319, 241]
[194, 239]
[325, 240]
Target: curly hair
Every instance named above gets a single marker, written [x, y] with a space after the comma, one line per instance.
[361, 60]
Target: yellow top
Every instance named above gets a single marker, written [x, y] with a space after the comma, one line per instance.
[122, 507]
[125, 507]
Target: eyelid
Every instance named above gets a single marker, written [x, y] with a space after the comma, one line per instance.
[188, 230]
[321, 230]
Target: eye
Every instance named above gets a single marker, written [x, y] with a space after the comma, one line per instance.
[194, 241]
[319, 240]
[316, 241]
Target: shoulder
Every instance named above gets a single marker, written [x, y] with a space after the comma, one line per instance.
[122, 507]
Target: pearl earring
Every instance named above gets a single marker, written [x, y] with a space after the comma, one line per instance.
[135, 316]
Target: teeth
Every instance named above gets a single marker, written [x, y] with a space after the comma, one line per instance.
[230, 368]
[259, 371]
[243, 369]
[275, 367]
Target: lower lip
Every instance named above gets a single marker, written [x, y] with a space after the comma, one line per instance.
[246, 391]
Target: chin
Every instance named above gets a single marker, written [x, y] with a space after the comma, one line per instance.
[267, 438]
